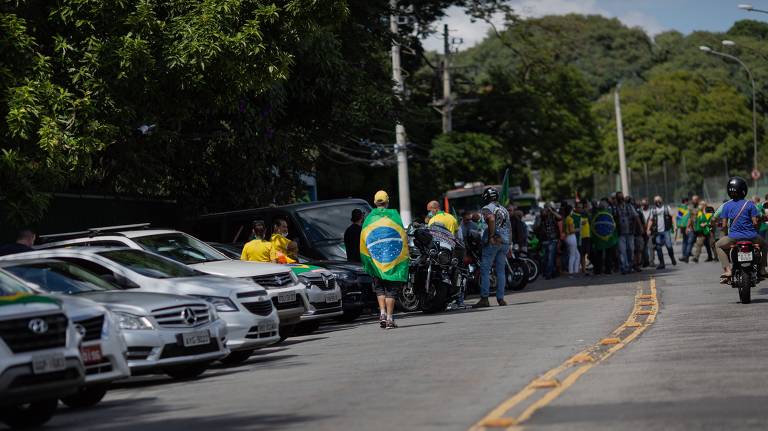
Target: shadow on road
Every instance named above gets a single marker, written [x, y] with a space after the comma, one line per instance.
[155, 380]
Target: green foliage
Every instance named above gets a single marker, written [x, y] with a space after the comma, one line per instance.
[467, 156]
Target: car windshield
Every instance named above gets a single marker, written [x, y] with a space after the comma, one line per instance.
[60, 277]
[11, 286]
[327, 223]
[180, 247]
[149, 265]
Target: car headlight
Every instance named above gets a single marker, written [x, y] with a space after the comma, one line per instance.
[221, 303]
[344, 275]
[133, 322]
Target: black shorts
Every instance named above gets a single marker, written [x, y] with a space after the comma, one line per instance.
[386, 288]
[585, 247]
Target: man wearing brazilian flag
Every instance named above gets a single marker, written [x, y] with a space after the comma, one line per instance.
[384, 255]
[604, 238]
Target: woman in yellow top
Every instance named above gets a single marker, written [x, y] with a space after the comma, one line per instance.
[280, 244]
[569, 228]
[257, 250]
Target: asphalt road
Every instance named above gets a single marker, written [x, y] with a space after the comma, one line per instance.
[700, 365]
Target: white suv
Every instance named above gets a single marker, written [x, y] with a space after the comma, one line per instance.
[39, 355]
[288, 295]
[252, 321]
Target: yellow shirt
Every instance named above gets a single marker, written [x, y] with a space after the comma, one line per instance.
[257, 250]
[584, 227]
[570, 228]
[446, 220]
[279, 249]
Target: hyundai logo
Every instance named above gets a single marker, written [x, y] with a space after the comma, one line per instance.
[38, 326]
[80, 329]
[188, 316]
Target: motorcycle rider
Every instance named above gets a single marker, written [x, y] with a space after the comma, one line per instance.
[495, 246]
[744, 220]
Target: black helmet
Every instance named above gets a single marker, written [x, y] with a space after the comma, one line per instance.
[490, 195]
[737, 188]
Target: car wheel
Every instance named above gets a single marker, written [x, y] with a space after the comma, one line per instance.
[182, 372]
[306, 328]
[237, 357]
[349, 316]
[87, 396]
[29, 415]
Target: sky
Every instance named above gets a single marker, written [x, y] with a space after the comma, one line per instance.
[654, 16]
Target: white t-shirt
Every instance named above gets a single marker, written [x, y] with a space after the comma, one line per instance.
[659, 214]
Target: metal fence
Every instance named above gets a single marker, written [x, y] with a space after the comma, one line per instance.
[672, 183]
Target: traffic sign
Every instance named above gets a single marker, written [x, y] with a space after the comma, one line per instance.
[756, 174]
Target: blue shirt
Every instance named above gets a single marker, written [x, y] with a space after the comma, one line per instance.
[743, 227]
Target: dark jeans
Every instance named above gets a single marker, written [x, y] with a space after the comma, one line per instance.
[550, 254]
[689, 239]
[604, 260]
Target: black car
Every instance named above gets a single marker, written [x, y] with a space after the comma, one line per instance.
[317, 227]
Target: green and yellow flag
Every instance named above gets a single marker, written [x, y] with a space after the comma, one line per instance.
[25, 298]
[384, 246]
[603, 230]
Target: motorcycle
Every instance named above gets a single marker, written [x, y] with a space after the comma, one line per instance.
[437, 274]
[745, 263]
[517, 272]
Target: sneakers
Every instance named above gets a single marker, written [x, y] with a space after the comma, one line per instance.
[482, 303]
[501, 302]
[660, 267]
[383, 321]
[674, 262]
[390, 324]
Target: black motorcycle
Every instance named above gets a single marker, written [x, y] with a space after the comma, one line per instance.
[745, 261]
[517, 272]
[437, 273]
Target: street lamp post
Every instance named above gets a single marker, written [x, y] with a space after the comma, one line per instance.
[709, 50]
[750, 8]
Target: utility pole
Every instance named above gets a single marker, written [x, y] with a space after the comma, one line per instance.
[620, 136]
[447, 108]
[403, 186]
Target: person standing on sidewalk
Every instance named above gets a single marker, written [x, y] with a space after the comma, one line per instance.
[25, 239]
[548, 233]
[352, 236]
[648, 246]
[660, 226]
[384, 255]
[701, 227]
[627, 221]
[495, 246]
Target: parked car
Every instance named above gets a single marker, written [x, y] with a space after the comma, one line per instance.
[325, 301]
[39, 355]
[103, 349]
[184, 334]
[356, 287]
[286, 292]
[250, 318]
[355, 284]
[317, 227]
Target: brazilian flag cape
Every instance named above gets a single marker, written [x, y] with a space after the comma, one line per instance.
[384, 246]
[682, 216]
[603, 230]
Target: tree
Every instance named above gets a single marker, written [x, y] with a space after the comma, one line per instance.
[466, 157]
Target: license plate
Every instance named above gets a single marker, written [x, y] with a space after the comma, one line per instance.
[268, 326]
[198, 338]
[48, 363]
[91, 354]
[286, 297]
[745, 256]
[332, 298]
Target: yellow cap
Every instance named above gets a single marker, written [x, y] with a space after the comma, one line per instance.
[381, 197]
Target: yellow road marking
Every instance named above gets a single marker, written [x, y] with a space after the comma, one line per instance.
[576, 366]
